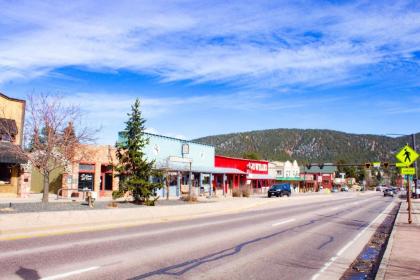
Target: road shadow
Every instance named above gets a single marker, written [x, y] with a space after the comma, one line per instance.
[27, 273]
[180, 269]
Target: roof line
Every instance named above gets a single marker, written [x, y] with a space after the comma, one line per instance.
[178, 139]
[11, 98]
[265, 161]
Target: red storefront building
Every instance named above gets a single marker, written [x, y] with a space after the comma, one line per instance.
[256, 172]
[315, 177]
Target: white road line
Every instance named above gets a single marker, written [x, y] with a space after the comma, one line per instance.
[70, 273]
[283, 222]
[99, 240]
[342, 250]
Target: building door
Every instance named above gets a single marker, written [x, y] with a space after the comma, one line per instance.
[108, 181]
[106, 178]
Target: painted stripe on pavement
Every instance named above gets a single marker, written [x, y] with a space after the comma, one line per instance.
[339, 253]
[70, 273]
[283, 222]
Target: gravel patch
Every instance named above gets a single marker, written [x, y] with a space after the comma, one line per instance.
[7, 208]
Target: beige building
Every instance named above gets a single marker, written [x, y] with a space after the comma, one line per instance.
[14, 178]
[92, 170]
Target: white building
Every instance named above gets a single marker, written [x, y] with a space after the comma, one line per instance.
[284, 169]
[286, 172]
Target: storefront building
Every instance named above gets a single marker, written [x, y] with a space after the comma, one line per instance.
[184, 164]
[187, 163]
[286, 172]
[93, 170]
[255, 172]
[15, 178]
[314, 177]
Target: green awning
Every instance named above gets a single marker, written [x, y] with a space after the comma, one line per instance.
[289, 179]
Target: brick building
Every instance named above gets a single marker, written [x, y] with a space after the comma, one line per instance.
[92, 170]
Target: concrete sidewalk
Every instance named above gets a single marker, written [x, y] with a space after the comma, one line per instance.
[402, 256]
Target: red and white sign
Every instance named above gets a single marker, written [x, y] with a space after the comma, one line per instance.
[246, 165]
[255, 166]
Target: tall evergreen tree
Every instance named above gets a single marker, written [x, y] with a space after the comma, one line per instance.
[134, 169]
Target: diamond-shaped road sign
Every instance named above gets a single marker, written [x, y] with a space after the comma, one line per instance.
[407, 155]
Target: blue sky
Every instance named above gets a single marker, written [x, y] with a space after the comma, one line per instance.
[204, 68]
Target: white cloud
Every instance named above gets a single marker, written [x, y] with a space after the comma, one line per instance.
[258, 44]
[109, 110]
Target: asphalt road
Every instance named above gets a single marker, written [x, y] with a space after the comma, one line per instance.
[280, 242]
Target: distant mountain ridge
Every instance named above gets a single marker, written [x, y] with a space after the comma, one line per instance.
[309, 145]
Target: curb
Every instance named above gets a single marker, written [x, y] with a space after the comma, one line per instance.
[380, 275]
[345, 257]
[24, 233]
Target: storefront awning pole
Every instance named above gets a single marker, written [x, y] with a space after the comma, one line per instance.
[224, 184]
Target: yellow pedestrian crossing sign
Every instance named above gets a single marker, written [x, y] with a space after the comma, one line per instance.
[407, 155]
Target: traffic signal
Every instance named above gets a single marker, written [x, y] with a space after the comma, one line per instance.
[386, 164]
[367, 165]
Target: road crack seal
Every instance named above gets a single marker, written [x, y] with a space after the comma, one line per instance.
[367, 263]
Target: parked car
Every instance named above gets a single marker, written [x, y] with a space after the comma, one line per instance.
[344, 188]
[378, 188]
[389, 192]
[335, 189]
[279, 190]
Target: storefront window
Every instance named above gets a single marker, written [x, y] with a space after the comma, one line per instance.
[87, 167]
[5, 173]
[86, 181]
[206, 180]
[6, 138]
[173, 180]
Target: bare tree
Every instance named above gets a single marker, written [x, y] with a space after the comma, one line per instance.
[52, 135]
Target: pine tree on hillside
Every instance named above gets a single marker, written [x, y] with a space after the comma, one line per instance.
[134, 169]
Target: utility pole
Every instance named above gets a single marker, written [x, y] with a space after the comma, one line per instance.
[409, 199]
[190, 182]
[415, 178]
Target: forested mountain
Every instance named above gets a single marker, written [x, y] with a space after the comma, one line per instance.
[309, 145]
